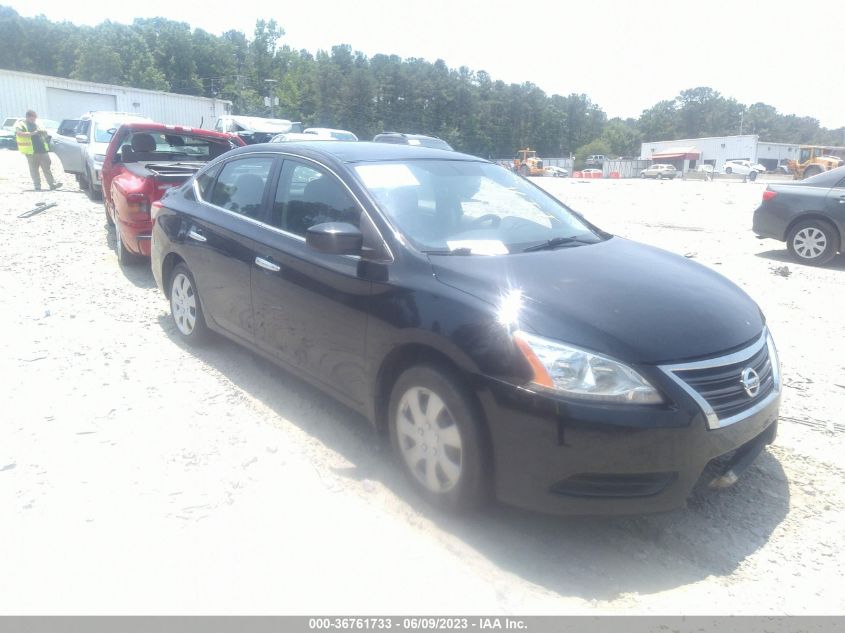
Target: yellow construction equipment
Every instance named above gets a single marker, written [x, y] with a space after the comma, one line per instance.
[527, 163]
[814, 159]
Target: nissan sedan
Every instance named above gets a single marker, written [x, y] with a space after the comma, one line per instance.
[506, 345]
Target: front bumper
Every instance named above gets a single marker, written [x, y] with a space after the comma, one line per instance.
[573, 458]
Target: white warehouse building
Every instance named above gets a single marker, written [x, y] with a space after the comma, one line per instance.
[689, 153]
[58, 98]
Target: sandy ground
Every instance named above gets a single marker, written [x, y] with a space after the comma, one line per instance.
[139, 476]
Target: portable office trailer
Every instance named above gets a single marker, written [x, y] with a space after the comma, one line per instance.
[59, 98]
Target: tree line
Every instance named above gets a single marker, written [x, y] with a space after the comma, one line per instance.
[343, 88]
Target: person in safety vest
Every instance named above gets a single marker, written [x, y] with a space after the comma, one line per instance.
[32, 143]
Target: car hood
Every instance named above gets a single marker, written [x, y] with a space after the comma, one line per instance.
[630, 301]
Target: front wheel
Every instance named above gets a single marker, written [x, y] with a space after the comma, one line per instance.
[811, 171]
[728, 170]
[438, 437]
[186, 307]
[813, 242]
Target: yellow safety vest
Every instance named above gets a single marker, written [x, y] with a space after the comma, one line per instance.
[24, 142]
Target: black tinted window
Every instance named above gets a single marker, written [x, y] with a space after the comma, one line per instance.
[205, 181]
[68, 127]
[307, 196]
[240, 186]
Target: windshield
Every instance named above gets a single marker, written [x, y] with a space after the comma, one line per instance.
[474, 207]
[104, 130]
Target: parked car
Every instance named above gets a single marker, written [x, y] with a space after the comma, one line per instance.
[595, 160]
[744, 168]
[422, 288]
[809, 215]
[418, 140]
[338, 135]
[253, 129]
[81, 145]
[555, 171]
[291, 137]
[659, 171]
[143, 160]
[7, 132]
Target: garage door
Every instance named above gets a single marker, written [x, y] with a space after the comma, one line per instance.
[69, 104]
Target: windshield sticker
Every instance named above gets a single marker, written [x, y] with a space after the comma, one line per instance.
[480, 247]
[387, 176]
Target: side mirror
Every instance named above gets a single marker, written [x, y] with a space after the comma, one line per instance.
[335, 238]
[81, 138]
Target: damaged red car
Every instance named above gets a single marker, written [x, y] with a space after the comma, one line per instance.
[142, 162]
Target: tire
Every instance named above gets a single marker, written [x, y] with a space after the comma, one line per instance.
[93, 192]
[186, 307]
[125, 257]
[643, 176]
[752, 176]
[523, 171]
[109, 219]
[813, 242]
[811, 171]
[442, 451]
[729, 170]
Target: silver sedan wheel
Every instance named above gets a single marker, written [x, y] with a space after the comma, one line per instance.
[429, 439]
[809, 242]
[183, 304]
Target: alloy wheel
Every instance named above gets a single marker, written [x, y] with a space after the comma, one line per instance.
[183, 304]
[429, 439]
[809, 242]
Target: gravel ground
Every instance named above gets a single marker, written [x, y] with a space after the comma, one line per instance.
[139, 476]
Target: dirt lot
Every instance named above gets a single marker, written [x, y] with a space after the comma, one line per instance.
[139, 476]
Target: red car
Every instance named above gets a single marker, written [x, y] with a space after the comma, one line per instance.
[142, 162]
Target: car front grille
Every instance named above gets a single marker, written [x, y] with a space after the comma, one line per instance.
[725, 387]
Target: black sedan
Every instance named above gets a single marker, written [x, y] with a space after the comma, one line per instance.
[506, 345]
[809, 215]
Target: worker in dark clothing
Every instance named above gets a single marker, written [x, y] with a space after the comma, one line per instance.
[32, 143]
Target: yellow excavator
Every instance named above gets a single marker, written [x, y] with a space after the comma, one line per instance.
[527, 163]
[814, 159]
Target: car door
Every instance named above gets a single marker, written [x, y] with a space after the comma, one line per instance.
[222, 236]
[67, 148]
[835, 203]
[310, 307]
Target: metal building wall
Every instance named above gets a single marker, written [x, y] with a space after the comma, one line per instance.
[22, 91]
[717, 149]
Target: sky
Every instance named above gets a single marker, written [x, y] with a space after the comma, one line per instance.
[625, 56]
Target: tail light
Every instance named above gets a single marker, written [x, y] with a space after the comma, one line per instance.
[138, 203]
[768, 195]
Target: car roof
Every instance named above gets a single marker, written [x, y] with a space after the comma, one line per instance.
[141, 126]
[362, 151]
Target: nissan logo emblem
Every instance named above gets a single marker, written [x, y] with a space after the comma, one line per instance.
[750, 381]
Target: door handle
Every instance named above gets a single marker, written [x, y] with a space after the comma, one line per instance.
[267, 264]
[196, 235]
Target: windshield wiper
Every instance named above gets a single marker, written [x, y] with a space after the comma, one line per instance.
[456, 251]
[554, 243]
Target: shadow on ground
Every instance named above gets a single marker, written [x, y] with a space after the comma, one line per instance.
[138, 274]
[590, 558]
[783, 256]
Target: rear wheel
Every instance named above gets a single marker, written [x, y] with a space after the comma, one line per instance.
[752, 176]
[186, 307]
[438, 438]
[109, 219]
[813, 242]
[125, 257]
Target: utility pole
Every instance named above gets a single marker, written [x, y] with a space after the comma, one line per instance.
[270, 83]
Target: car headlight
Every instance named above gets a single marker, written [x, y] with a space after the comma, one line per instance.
[577, 373]
[774, 360]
